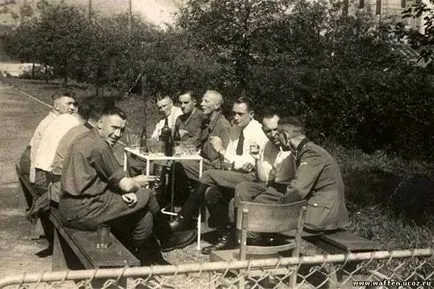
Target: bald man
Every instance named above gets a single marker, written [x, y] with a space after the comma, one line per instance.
[214, 124]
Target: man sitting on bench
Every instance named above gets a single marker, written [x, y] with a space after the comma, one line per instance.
[96, 191]
[317, 179]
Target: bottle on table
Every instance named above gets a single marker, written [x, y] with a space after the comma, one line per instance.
[143, 141]
[166, 137]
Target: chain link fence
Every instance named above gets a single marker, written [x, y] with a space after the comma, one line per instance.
[382, 269]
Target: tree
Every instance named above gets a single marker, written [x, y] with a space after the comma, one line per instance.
[61, 36]
[228, 29]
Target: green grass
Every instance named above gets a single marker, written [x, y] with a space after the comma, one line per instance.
[370, 180]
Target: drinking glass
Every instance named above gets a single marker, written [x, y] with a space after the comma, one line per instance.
[178, 149]
[102, 236]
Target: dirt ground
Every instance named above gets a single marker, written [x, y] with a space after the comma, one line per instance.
[19, 116]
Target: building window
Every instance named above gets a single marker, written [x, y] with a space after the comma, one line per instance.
[403, 3]
[378, 7]
[361, 4]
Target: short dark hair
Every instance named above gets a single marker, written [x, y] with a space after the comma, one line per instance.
[63, 92]
[292, 121]
[191, 93]
[161, 96]
[93, 106]
[269, 112]
[246, 100]
[114, 111]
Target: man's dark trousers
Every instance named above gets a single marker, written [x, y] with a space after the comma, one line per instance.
[222, 185]
[88, 212]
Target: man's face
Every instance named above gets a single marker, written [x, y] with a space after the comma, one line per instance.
[187, 103]
[65, 104]
[209, 104]
[270, 127]
[241, 114]
[286, 133]
[111, 128]
[165, 106]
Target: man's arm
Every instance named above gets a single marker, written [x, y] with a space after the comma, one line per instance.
[306, 175]
[245, 162]
[157, 131]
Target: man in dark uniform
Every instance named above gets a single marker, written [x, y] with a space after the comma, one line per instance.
[317, 179]
[96, 191]
[188, 124]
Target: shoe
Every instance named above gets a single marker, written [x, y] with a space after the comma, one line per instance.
[179, 224]
[223, 242]
[179, 240]
[153, 258]
[158, 259]
[270, 282]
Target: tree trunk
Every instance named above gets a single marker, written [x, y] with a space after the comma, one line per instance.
[33, 70]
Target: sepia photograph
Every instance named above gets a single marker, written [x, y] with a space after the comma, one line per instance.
[189, 144]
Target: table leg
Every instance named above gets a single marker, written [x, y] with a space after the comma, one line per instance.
[172, 193]
[125, 161]
[199, 218]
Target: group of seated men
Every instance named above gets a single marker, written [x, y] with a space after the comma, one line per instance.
[243, 160]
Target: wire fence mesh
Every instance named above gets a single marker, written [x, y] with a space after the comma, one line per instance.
[382, 269]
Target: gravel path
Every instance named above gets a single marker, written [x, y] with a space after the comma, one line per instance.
[19, 116]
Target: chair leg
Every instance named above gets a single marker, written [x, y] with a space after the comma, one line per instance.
[333, 276]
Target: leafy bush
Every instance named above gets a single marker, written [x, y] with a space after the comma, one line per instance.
[338, 72]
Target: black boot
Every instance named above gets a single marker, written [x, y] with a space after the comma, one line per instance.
[225, 241]
[179, 240]
[179, 224]
[169, 239]
[189, 209]
[150, 253]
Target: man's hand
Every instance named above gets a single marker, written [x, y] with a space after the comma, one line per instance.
[130, 199]
[143, 180]
[182, 132]
[271, 176]
[245, 168]
[216, 143]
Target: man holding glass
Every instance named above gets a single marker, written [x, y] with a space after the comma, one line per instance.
[313, 175]
[96, 191]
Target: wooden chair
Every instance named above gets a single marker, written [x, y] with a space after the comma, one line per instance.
[266, 218]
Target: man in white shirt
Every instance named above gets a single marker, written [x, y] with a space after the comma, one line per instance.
[275, 167]
[49, 141]
[219, 185]
[166, 110]
[63, 103]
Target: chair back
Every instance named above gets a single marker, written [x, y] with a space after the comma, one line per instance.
[269, 218]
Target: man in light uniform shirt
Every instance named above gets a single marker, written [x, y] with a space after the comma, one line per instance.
[49, 142]
[63, 103]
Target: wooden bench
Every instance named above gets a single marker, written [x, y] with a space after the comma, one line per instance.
[41, 225]
[342, 242]
[71, 245]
